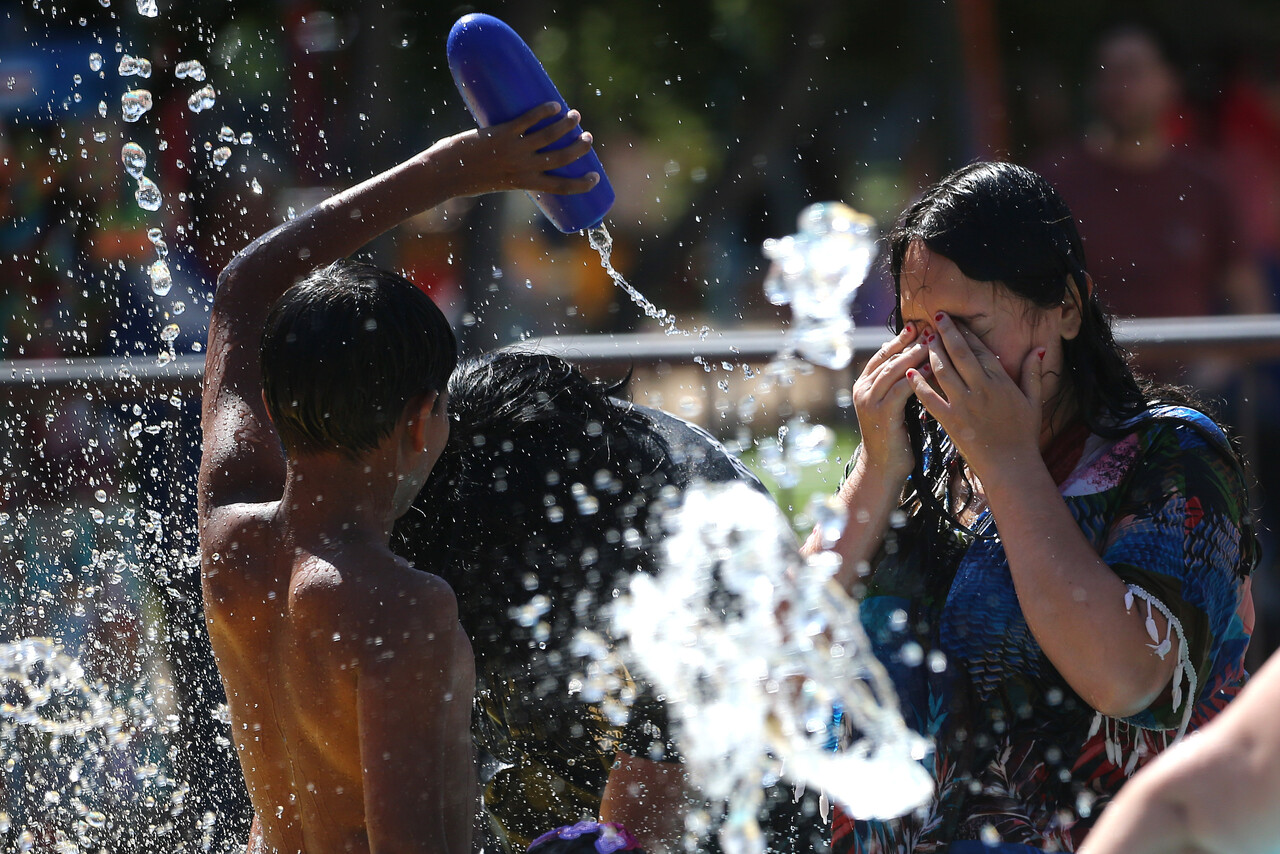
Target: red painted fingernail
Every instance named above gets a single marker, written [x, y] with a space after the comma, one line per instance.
[1040, 353]
[909, 329]
[912, 373]
[938, 317]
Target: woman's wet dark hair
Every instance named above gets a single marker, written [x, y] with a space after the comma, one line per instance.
[344, 351]
[1005, 224]
[546, 494]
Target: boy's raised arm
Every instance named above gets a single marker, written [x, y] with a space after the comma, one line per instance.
[242, 460]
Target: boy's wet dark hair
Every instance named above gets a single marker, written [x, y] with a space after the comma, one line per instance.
[344, 351]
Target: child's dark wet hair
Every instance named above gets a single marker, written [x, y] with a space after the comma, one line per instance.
[586, 837]
[344, 351]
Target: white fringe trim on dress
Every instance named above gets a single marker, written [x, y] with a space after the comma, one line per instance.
[1183, 670]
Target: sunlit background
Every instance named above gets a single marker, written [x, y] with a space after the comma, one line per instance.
[717, 121]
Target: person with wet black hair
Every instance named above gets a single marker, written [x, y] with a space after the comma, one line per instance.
[1053, 556]
[348, 677]
[548, 495]
[343, 320]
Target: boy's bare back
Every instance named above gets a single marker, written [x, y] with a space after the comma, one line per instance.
[347, 674]
[313, 638]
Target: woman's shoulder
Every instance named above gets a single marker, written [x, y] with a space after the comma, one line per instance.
[1158, 438]
[1188, 425]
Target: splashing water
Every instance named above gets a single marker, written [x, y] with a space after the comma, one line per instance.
[130, 66]
[189, 68]
[148, 194]
[134, 103]
[82, 760]
[754, 648]
[134, 159]
[220, 156]
[161, 279]
[202, 99]
[602, 241]
[148, 8]
[818, 271]
[45, 688]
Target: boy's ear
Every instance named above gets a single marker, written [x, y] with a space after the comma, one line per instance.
[419, 414]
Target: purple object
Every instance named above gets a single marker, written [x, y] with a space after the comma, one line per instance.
[610, 837]
[500, 79]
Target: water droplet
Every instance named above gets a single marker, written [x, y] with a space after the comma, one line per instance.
[161, 280]
[256, 187]
[220, 156]
[100, 496]
[226, 134]
[93, 818]
[102, 110]
[95, 61]
[155, 235]
[148, 194]
[99, 136]
[130, 66]
[246, 138]
[170, 333]
[202, 99]
[135, 429]
[148, 8]
[134, 103]
[179, 307]
[189, 68]
[98, 516]
[134, 159]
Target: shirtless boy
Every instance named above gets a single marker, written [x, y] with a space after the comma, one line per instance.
[348, 677]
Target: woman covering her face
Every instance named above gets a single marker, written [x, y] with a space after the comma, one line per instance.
[1053, 555]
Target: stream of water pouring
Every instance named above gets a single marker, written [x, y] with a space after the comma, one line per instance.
[602, 241]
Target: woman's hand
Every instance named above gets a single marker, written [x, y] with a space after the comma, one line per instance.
[880, 396]
[508, 156]
[874, 487]
[993, 421]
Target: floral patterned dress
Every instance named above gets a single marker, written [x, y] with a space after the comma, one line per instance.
[1021, 762]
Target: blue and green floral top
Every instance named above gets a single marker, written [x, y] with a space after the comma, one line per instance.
[1021, 762]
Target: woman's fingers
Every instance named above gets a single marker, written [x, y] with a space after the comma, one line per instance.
[968, 368]
[891, 348]
[933, 402]
[878, 382]
[945, 375]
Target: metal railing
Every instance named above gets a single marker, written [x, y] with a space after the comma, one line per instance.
[1255, 336]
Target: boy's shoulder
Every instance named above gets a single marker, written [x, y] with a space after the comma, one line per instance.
[368, 588]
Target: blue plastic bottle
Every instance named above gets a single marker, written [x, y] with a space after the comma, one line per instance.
[500, 79]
